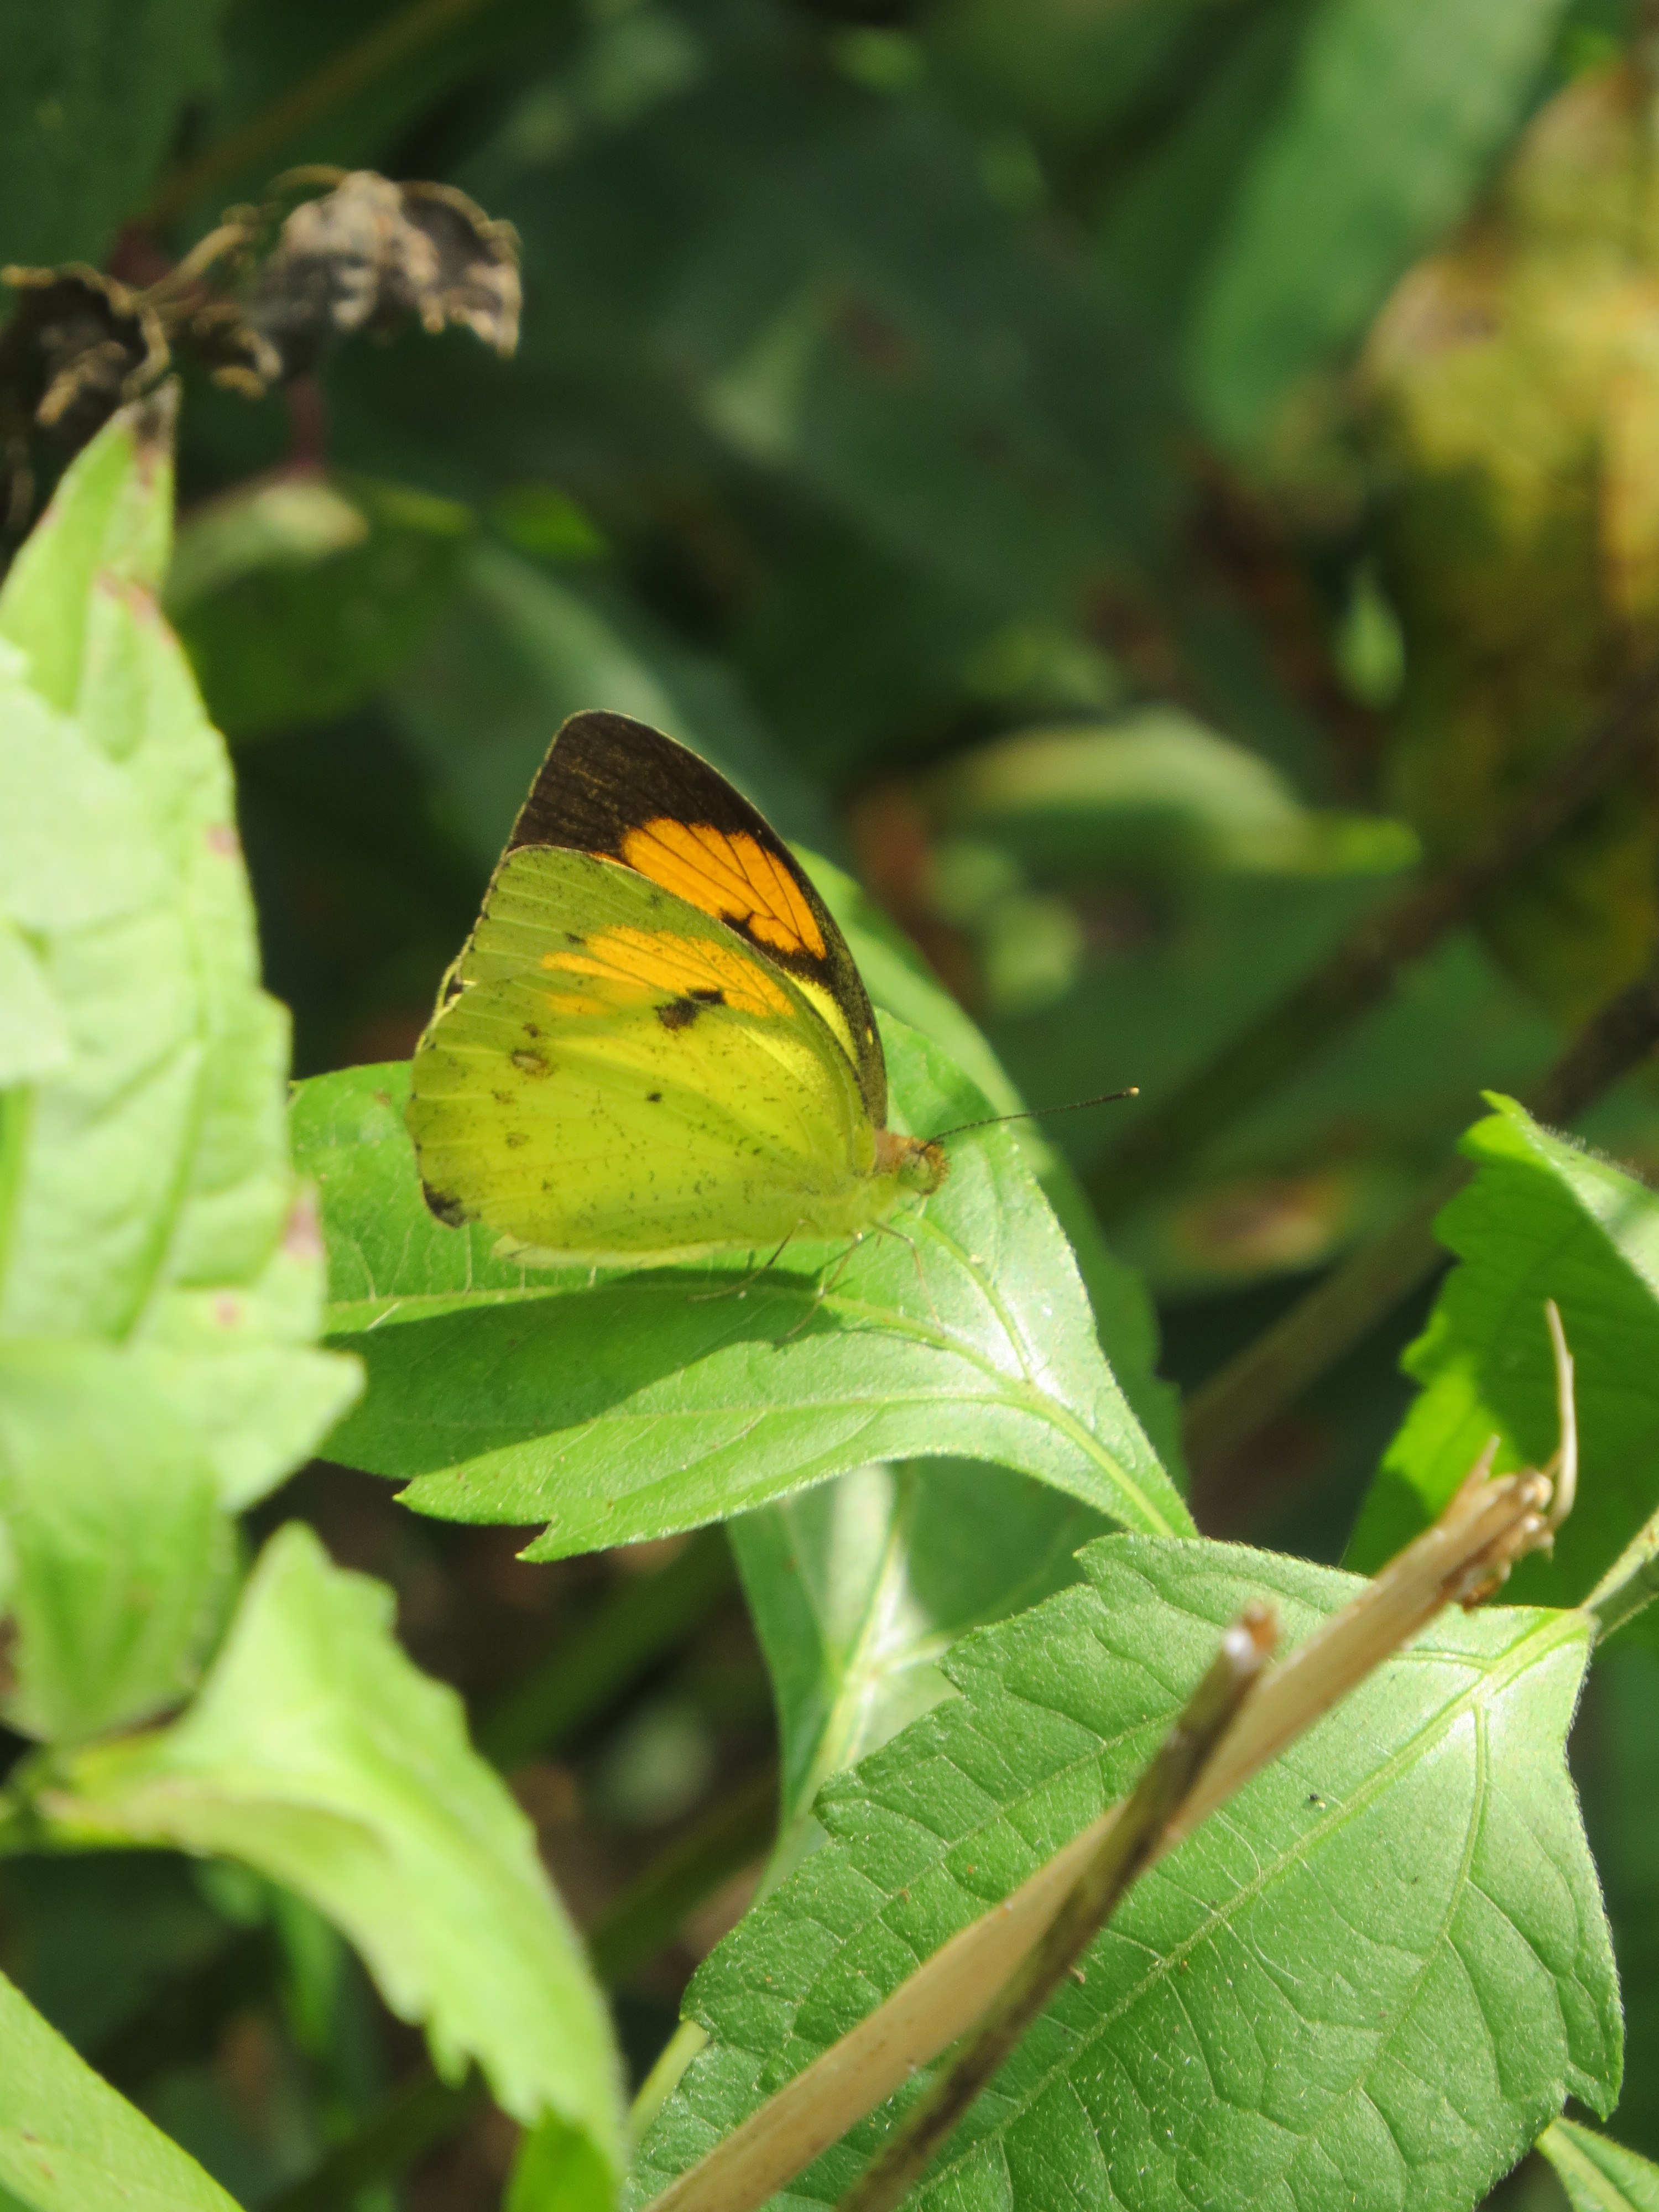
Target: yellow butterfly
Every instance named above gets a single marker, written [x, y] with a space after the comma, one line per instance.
[655, 1045]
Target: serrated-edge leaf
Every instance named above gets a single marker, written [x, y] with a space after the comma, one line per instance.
[316, 1752]
[643, 1406]
[1383, 1968]
[1542, 1218]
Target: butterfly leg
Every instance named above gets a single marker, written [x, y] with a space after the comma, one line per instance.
[737, 1289]
[909, 1244]
[825, 1285]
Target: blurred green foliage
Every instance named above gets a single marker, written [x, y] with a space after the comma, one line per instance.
[1132, 481]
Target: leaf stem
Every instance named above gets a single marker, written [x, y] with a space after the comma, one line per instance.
[626, 1634]
[327, 87]
[1630, 1583]
[1126, 1849]
[1363, 969]
[1344, 1305]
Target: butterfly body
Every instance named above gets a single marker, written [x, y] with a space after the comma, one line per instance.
[655, 1046]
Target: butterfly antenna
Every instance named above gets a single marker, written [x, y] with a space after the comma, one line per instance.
[1036, 1113]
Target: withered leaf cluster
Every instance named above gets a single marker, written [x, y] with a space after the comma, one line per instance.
[257, 303]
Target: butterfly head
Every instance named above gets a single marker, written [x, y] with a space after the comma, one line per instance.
[918, 1163]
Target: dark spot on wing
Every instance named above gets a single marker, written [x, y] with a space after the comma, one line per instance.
[514, 1137]
[708, 998]
[572, 937]
[678, 1013]
[653, 1098]
[502, 1098]
[529, 1063]
[448, 1210]
[530, 1030]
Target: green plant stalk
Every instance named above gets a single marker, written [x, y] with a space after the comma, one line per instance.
[1122, 1855]
[1362, 970]
[1345, 1305]
[1630, 1583]
[314, 96]
[636, 1625]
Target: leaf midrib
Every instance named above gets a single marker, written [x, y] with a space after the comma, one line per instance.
[1528, 1651]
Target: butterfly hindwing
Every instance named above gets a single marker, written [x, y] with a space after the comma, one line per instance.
[617, 1075]
[621, 791]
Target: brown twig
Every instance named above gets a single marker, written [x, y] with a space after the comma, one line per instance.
[1271, 1372]
[1127, 1847]
[1363, 968]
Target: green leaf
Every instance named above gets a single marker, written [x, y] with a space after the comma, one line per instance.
[1395, 111]
[858, 1588]
[1541, 1220]
[121, 1553]
[1125, 1317]
[296, 599]
[156, 1253]
[518, 649]
[33, 1039]
[559, 2170]
[1374, 1978]
[645, 1405]
[1599, 2175]
[89, 99]
[69, 2143]
[316, 1753]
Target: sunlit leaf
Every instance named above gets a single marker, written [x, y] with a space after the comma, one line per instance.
[1374, 1978]
[161, 1277]
[1542, 1219]
[316, 1753]
[645, 1405]
[858, 1589]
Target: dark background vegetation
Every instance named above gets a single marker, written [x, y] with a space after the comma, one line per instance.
[1133, 479]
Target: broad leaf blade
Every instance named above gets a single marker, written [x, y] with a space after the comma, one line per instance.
[153, 1239]
[858, 1588]
[318, 1754]
[1598, 2174]
[1380, 1972]
[69, 2143]
[1395, 109]
[88, 100]
[122, 1557]
[1126, 1319]
[645, 1405]
[1541, 1220]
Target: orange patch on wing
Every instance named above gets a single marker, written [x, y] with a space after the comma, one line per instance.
[637, 961]
[732, 877]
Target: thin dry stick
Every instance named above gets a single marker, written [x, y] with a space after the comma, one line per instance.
[1362, 970]
[1486, 1527]
[1127, 1846]
[1273, 1372]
